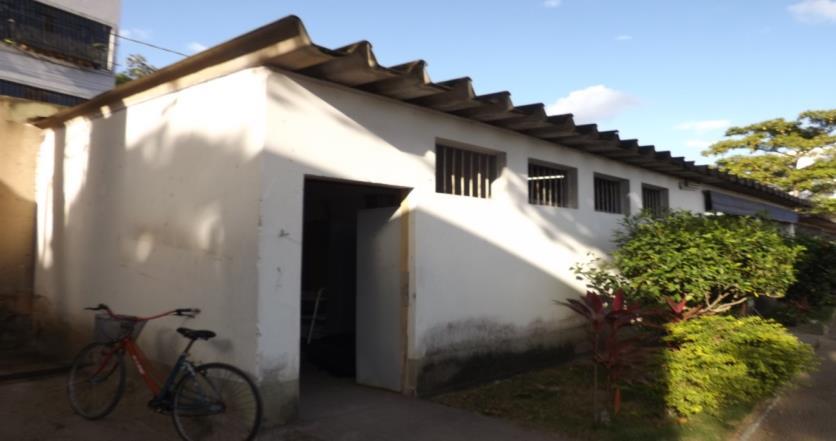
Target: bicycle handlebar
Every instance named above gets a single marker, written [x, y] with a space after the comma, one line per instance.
[98, 308]
[183, 312]
[187, 312]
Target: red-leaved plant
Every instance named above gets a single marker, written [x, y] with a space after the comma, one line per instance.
[610, 349]
[680, 311]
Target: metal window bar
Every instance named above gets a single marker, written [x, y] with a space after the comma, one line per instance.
[16, 90]
[464, 172]
[547, 186]
[608, 195]
[55, 32]
[652, 200]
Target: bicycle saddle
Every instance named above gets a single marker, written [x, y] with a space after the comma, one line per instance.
[194, 334]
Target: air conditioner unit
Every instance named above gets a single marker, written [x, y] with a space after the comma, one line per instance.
[689, 185]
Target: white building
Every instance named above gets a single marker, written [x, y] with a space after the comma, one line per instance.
[57, 51]
[438, 225]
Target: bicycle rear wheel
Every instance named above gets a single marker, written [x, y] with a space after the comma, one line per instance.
[96, 381]
[218, 402]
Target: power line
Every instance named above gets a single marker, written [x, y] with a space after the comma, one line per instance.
[75, 29]
[151, 45]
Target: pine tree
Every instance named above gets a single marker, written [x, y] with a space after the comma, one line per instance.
[796, 156]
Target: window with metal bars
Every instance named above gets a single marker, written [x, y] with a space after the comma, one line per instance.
[654, 199]
[55, 32]
[464, 172]
[551, 185]
[17, 90]
[611, 194]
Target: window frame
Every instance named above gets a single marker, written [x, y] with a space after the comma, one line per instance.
[473, 159]
[622, 198]
[664, 199]
[571, 180]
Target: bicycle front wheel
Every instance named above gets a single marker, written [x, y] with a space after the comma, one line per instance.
[96, 381]
[216, 402]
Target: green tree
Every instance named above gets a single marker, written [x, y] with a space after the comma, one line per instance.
[138, 67]
[711, 262]
[797, 156]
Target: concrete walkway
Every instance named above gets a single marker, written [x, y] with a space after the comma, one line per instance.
[337, 410]
[332, 410]
[807, 412]
[38, 410]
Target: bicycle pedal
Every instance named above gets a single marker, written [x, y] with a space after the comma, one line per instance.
[160, 406]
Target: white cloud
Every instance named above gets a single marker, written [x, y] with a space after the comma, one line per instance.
[196, 47]
[136, 33]
[623, 37]
[593, 103]
[552, 3]
[704, 126]
[814, 11]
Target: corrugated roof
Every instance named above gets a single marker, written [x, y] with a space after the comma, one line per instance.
[286, 44]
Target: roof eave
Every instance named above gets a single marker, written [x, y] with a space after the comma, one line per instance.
[286, 44]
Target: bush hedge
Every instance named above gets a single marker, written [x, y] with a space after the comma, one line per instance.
[713, 261]
[815, 271]
[718, 361]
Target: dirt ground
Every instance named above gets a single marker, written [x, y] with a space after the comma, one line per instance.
[332, 410]
[38, 410]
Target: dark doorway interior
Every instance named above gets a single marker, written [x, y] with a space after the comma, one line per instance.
[329, 270]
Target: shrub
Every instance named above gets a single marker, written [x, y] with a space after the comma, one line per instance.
[720, 361]
[714, 262]
[815, 272]
[606, 319]
[601, 276]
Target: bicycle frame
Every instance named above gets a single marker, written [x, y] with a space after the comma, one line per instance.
[127, 344]
[188, 391]
[162, 392]
[143, 366]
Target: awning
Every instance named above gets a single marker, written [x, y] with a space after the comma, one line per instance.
[723, 203]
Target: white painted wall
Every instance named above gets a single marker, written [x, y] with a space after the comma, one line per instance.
[484, 272]
[195, 199]
[155, 207]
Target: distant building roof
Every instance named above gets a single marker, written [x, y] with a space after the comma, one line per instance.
[818, 224]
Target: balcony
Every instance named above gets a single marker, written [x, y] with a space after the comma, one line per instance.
[55, 33]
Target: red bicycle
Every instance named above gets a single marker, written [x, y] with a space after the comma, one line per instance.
[209, 401]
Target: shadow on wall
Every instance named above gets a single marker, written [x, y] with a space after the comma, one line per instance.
[499, 320]
[484, 308]
[17, 239]
[145, 225]
[19, 144]
[563, 226]
[17, 260]
[166, 215]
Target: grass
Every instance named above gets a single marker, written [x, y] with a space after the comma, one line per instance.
[558, 399]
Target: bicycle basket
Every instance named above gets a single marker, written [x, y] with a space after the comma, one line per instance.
[107, 329]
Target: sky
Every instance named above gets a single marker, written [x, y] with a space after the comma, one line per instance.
[670, 73]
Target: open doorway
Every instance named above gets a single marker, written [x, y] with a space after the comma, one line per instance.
[352, 264]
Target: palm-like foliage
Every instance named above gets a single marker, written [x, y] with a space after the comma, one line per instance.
[616, 353]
